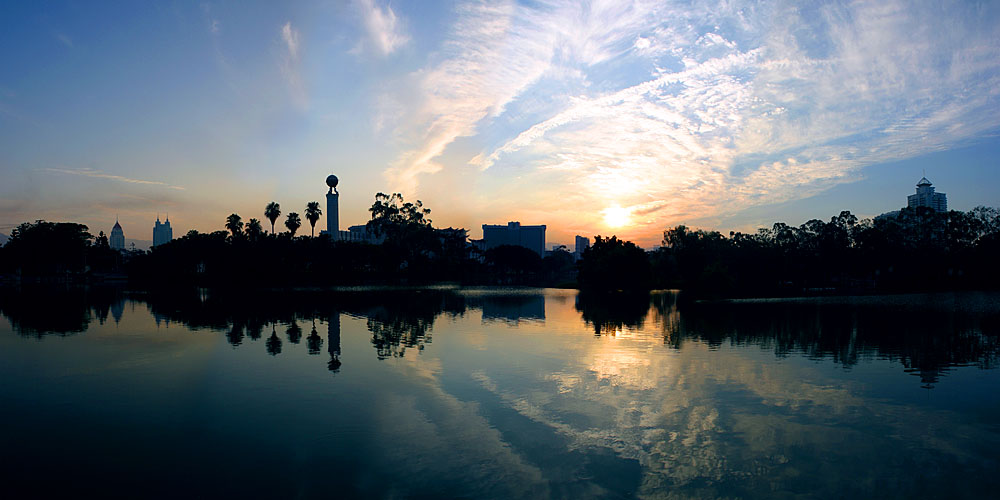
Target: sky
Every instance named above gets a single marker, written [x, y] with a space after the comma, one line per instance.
[599, 117]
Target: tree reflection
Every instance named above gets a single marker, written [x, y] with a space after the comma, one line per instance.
[314, 342]
[611, 312]
[928, 335]
[294, 332]
[49, 310]
[273, 344]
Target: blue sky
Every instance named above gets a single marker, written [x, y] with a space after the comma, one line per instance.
[590, 117]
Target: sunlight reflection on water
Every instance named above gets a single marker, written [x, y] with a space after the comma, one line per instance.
[503, 393]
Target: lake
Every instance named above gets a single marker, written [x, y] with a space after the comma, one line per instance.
[485, 393]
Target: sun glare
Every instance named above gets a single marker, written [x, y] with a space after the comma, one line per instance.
[616, 216]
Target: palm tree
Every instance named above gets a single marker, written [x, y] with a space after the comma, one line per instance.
[293, 223]
[254, 229]
[312, 214]
[272, 212]
[234, 224]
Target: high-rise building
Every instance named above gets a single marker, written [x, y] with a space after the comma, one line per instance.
[582, 243]
[926, 197]
[162, 233]
[117, 239]
[530, 237]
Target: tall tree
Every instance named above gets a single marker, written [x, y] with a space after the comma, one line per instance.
[312, 214]
[234, 223]
[293, 222]
[254, 229]
[272, 212]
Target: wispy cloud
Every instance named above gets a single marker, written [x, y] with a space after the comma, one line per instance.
[679, 111]
[290, 62]
[384, 28]
[97, 174]
[65, 40]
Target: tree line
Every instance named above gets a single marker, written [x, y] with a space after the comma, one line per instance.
[912, 250]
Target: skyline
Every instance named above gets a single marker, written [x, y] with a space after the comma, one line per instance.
[608, 118]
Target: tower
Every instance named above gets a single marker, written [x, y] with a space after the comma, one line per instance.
[332, 207]
[117, 239]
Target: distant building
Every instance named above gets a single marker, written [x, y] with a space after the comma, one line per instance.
[117, 239]
[530, 237]
[162, 233]
[361, 234]
[926, 197]
[582, 243]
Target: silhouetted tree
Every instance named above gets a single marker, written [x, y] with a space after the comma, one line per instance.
[234, 224]
[613, 264]
[313, 212]
[44, 248]
[254, 230]
[272, 212]
[513, 264]
[293, 223]
[101, 241]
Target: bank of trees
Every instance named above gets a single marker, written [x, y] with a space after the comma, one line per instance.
[914, 250]
[62, 250]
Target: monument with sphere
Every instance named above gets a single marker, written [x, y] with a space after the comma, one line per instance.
[333, 207]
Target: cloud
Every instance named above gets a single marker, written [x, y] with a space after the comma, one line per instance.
[384, 29]
[97, 174]
[65, 40]
[290, 62]
[681, 111]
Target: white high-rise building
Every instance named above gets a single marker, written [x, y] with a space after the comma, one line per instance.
[926, 197]
[117, 239]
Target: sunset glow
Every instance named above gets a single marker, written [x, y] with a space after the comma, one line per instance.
[616, 217]
[722, 117]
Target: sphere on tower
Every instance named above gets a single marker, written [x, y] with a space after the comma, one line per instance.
[331, 180]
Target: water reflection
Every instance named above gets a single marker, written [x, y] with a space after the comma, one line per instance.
[487, 394]
[610, 313]
[926, 334]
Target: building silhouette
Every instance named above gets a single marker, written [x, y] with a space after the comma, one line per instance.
[582, 243]
[926, 197]
[162, 233]
[530, 237]
[117, 238]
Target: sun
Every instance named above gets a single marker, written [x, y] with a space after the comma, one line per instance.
[616, 216]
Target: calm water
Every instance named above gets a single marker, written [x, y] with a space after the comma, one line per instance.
[498, 394]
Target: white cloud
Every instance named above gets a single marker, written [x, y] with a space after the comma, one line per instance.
[97, 174]
[385, 30]
[290, 63]
[686, 111]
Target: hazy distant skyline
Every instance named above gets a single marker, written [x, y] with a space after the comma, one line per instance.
[592, 118]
